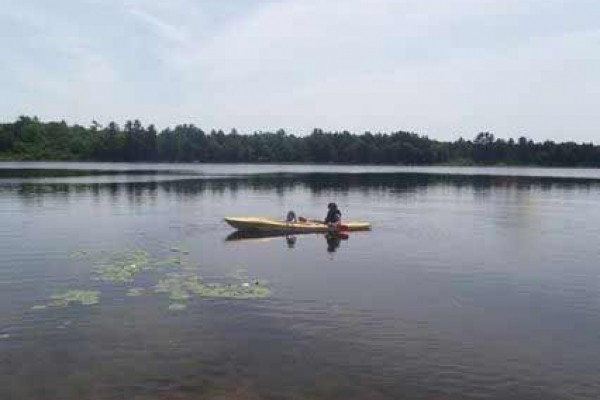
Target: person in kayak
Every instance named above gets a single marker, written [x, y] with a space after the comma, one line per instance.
[291, 217]
[334, 215]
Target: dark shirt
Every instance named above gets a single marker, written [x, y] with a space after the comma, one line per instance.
[333, 216]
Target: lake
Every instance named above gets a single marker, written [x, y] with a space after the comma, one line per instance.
[121, 281]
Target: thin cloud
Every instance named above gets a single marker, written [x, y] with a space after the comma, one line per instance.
[161, 27]
[444, 68]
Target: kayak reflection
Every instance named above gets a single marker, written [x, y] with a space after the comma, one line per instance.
[333, 239]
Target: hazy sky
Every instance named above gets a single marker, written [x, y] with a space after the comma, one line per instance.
[444, 68]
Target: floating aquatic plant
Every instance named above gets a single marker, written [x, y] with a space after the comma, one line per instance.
[177, 306]
[176, 286]
[122, 267]
[166, 262]
[116, 273]
[177, 278]
[83, 297]
[135, 292]
[79, 254]
[184, 286]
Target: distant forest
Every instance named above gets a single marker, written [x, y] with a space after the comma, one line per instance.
[30, 139]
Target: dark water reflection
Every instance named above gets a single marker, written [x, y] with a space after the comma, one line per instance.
[468, 287]
[314, 182]
[332, 239]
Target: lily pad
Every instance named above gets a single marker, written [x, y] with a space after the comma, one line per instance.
[83, 297]
[135, 292]
[122, 267]
[166, 262]
[177, 276]
[177, 307]
[79, 254]
[183, 286]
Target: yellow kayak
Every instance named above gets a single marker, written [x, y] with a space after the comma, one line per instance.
[273, 225]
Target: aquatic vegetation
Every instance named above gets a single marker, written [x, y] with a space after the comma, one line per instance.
[176, 286]
[117, 273]
[177, 307]
[135, 292]
[176, 261]
[233, 291]
[166, 262]
[176, 276]
[79, 254]
[184, 286]
[83, 297]
[122, 267]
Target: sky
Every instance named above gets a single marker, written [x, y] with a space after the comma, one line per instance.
[442, 68]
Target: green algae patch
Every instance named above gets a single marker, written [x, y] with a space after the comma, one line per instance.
[83, 297]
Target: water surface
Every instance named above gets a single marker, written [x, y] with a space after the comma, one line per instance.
[473, 284]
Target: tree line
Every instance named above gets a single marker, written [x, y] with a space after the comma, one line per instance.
[31, 139]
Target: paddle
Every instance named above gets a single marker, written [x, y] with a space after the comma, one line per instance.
[339, 227]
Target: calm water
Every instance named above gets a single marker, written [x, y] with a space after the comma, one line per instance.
[473, 284]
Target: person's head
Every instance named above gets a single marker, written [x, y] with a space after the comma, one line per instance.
[332, 206]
